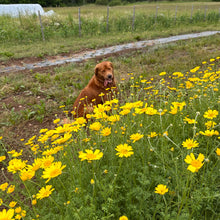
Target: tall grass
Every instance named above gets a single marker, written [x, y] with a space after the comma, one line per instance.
[170, 122]
[27, 29]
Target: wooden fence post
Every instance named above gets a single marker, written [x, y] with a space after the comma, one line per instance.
[79, 23]
[205, 12]
[41, 25]
[191, 13]
[107, 25]
[156, 14]
[133, 20]
[20, 19]
[175, 14]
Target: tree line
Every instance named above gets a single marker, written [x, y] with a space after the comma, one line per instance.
[56, 3]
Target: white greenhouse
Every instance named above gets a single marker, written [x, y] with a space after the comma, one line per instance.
[16, 10]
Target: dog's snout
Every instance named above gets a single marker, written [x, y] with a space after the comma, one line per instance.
[109, 76]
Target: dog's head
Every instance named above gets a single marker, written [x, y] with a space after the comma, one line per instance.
[104, 73]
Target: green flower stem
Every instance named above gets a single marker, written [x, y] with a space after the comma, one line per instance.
[94, 186]
[65, 190]
[185, 196]
[164, 199]
[116, 175]
[61, 211]
[30, 196]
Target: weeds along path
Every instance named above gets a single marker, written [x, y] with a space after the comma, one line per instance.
[80, 57]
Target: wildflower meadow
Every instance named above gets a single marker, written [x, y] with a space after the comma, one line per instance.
[153, 152]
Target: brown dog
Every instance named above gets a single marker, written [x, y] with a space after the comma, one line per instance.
[103, 81]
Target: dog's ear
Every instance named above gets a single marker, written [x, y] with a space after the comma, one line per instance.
[110, 63]
[96, 70]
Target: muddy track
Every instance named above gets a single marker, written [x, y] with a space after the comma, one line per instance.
[31, 64]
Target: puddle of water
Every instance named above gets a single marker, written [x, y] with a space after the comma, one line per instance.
[108, 50]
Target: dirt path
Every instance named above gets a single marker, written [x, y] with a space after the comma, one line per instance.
[82, 56]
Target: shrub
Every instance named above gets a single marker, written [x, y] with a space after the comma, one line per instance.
[115, 2]
[101, 2]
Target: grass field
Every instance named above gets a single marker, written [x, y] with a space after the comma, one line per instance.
[21, 37]
[164, 125]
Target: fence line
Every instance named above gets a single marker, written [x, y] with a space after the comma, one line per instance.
[133, 18]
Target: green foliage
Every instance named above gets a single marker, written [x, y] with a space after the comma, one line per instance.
[27, 29]
[7, 54]
[115, 2]
[101, 2]
[163, 112]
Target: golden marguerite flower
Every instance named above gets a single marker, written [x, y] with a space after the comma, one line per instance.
[161, 189]
[90, 155]
[53, 171]
[218, 151]
[210, 114]
[106, 131]
[123, 217]
[27, 174]
[209, 133]
[46, 161]
[16, 165]
[124, 150]
[190, 143]
[44, 192]
[136, 137]
[4, 186]
[2, 158]
[194, 164]
[96, 126]
[6, 214]
[11, 189]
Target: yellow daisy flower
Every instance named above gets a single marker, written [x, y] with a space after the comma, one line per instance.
[16, 165]
[7, 214]
[90, 155]
[15, 153]
[194, 164]
[189, 120]
[11, 189]
[46, 161]
[4, 186]
[12, 204]
[218, 151]
[210, 114]
[44, 192]
[96, 126]
[209, 133]
[106, 132]
[124, 150]
[53, 171]
[136, 137]
[92, 181]
[161, 189]
[152, 134]
[210, 124]
[2, 158]
[26, 174]
[123, 217]
[190, 143]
